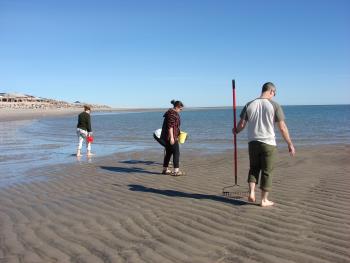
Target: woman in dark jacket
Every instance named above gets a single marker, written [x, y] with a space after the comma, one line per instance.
[84, 130]
[170, 134]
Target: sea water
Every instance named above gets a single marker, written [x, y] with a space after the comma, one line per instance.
[30, 144]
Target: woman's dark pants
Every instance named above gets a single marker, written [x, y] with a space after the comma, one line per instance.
[172, 150]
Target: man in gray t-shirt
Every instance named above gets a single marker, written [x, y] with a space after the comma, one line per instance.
[261, 114]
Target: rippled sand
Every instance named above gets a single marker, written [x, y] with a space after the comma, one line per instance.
[121, 209]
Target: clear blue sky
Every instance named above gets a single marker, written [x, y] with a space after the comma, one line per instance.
[145, 53]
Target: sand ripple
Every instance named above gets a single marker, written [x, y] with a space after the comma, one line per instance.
[121, 209]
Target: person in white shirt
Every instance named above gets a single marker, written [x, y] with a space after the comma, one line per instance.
[260, 115]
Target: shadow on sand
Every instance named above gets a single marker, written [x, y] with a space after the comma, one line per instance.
[128, 170]
[173, 193]
[140, 162]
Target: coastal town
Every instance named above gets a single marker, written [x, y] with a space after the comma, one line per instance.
[25, 101]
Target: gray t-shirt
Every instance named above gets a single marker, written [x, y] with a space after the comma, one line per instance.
[261, 114]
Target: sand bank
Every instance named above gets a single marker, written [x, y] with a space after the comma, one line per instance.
[121, 209]
[29, 114]
[15, 114]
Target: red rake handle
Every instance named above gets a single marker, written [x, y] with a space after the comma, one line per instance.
[235, 127]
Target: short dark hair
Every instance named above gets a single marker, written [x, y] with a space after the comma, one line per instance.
[268, 86]
[177, 103]
[87, 107]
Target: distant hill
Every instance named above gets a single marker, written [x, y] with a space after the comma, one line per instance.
[20, 100]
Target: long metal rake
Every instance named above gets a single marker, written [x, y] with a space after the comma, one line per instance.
[234, 191]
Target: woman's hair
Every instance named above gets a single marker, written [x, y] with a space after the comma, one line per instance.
[87, 107]
[177, 103]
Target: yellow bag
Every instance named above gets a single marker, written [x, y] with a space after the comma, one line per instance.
[182, 137]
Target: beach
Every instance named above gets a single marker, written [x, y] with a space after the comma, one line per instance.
[97, 96]
[120, 208]
[30, 114]
[8, 114]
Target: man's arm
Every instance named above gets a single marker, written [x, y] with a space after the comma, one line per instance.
[285, 134]
[240, 126]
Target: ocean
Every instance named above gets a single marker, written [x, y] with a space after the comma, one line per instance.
[30, 144]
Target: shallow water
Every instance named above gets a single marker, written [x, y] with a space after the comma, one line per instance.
[30, 144]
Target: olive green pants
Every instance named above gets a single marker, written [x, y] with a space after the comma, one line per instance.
[261, 159]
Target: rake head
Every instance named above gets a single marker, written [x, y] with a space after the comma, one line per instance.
[233, 191]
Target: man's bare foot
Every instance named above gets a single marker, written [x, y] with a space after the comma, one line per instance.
[78, 155]
[90, 154]
[251, 198]
[265, 203]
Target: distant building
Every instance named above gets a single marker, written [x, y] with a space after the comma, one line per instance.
[19, 100]
[19, 97]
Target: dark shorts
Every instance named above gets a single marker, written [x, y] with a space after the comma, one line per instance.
[261, 159]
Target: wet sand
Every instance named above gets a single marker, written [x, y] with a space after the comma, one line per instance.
[10, 114]
[30, 114]
[121, 209]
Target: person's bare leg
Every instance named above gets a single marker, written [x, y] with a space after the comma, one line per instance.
[80, 145]
[88, 148]
[264, 201]
[251, 197]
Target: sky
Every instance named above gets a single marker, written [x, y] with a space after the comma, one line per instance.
[146, 53]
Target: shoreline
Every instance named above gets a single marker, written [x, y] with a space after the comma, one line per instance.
[11, 114]
[120, 208]
[32, 114]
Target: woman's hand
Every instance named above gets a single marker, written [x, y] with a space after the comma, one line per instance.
[172, 141]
